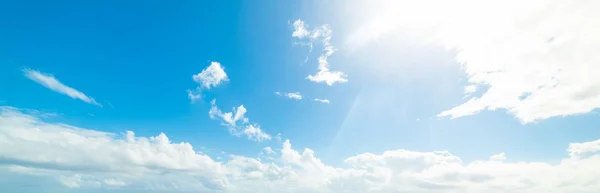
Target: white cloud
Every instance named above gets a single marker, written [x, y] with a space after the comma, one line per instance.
[322, 100]
[212, 76]
[535, 58]
[80, 157]
[268, 150]
[193, 96]
[237, 123]
[291, 95]
[578, 150]
[300, 29]
[498, 157]
[322, 34]
[470, 89]
[255, 133]
[83, 158]
[52, 83]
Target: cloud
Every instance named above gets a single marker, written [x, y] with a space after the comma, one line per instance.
[291, 95]
[212, 76]
[322, 100]
[498, 157]
[268, 150]
[535, 58]
[83, 158]
[193, 95]
[254, 133]
[237, 123]
[52, 83]
[300, 29]
[322, 34]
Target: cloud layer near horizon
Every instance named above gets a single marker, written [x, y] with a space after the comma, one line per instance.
[83, 158]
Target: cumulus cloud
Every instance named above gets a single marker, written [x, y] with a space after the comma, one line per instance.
[320, 34]
[237, 123]
[83, 158]
[210, 77]
[291, 95]
[533, 58]
[52, 83]
[322, 100]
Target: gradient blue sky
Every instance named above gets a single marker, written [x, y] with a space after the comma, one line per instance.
[136, 60]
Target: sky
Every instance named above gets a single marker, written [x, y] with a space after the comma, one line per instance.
[428, 96]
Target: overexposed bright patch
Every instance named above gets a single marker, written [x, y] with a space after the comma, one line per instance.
[323, 35]
[52, 83]
[536, 58]
[84, 158]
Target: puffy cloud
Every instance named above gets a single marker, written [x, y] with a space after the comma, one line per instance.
[212, 76]
[237, 123]
[300, 29]
[322, 34]
[52, 83]
[322, 100]
[291, 95]
[84, 158]
[533, 58]
[578, 150]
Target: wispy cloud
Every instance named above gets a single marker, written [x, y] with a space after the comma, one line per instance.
[291, 95]
[322, 100]
[52, 83]
[322, 34]
[237, 123]
[210, 77]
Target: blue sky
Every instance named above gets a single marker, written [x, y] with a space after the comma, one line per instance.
[354, 87]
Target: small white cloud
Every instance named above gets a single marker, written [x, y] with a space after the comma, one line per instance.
[193, 96]
[268, 150]
[291, 95]
[322, 100]
[579, 150]
[322, 34]
[237, 123]
[114, 182]
[52, 83]
[470, 89]
[498, 157]
[300, 29]
[255, 133]
[212, 76]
